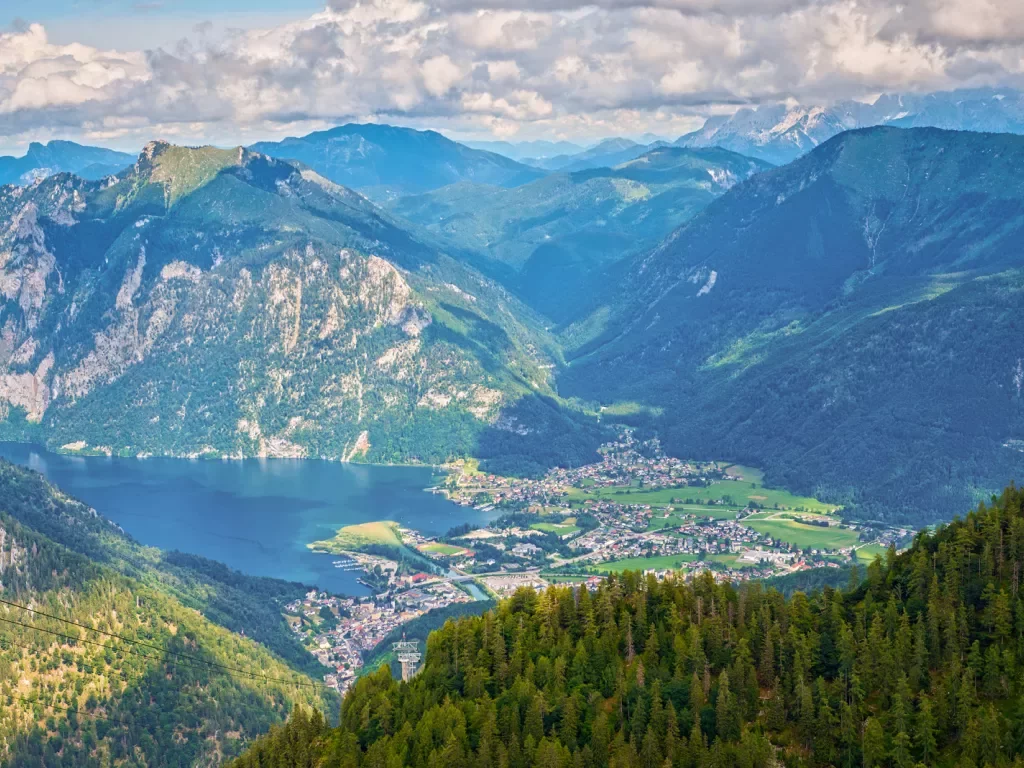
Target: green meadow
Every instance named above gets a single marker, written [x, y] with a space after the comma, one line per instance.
[440, 548]
[354, 538]
[868, 552]
[655, 562]
[560, 529]
[792, 531]
[737, 493]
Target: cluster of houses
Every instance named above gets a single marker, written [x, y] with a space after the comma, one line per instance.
[341, 631]
[622, 462]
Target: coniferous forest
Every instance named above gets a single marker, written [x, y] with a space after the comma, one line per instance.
[919, 663]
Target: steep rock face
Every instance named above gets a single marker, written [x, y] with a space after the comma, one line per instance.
[219, 302]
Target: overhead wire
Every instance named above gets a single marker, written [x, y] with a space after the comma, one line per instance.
[226, 669]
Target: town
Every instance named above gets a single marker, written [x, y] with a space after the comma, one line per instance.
[636, 509]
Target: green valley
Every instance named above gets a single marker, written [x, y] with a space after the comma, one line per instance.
[551, 239]
[805, 321]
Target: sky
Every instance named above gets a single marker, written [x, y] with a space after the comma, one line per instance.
[122, 72]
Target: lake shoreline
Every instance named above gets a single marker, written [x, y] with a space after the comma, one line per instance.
[255, 515]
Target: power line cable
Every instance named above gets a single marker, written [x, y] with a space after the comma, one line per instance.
[82, 712]
[142, 643]
[79, 712]
[231, 671]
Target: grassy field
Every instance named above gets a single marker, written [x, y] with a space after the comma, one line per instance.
[561, 529]
[380, 534]
[867, 553]
[438, 547]
[738, 493]
[680, 512]
[801, 534]
[354, 538]
[657, 562]
[730, 560]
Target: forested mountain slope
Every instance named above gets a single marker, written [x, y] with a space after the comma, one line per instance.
[556, 234]
[846, 322]
[219, 302]
[193, 690]
[916, 665]
[385, 161]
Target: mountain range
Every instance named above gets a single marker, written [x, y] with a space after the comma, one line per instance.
[384, 162]
[552, 237]
[42, 160]
[778, 316]
[845, 321]
[527, 151]
[779, 133]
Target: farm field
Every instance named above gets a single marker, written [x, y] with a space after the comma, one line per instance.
[736, 493]
[730, 560]
[801, 534]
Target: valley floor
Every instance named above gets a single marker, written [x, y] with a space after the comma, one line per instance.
[637, 509]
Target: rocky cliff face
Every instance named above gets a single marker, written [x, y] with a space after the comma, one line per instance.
[219, 302]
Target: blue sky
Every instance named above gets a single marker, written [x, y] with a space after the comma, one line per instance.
[122, 72]
[146, 23]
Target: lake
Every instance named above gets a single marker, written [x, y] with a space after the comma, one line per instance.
[257, 515]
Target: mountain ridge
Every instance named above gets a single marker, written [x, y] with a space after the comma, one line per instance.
[384, 161]
[847, 243]
[779, 133]
[133, 656]
[312, 305]
[557, 233]
[41, 160]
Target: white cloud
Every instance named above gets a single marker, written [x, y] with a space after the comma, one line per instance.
[440, 74]
[532, 67]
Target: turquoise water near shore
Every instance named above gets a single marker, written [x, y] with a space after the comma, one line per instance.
[255, 515]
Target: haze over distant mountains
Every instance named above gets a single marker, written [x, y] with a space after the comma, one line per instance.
[43, 160]
[780, 134]
[384, 162]
[551, 238]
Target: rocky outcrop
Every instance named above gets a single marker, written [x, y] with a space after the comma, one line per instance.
[29, 391]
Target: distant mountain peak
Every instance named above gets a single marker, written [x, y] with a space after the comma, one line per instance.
[59, 156]
[779, 133]
[385, 161]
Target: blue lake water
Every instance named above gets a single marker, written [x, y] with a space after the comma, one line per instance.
[256, 516]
